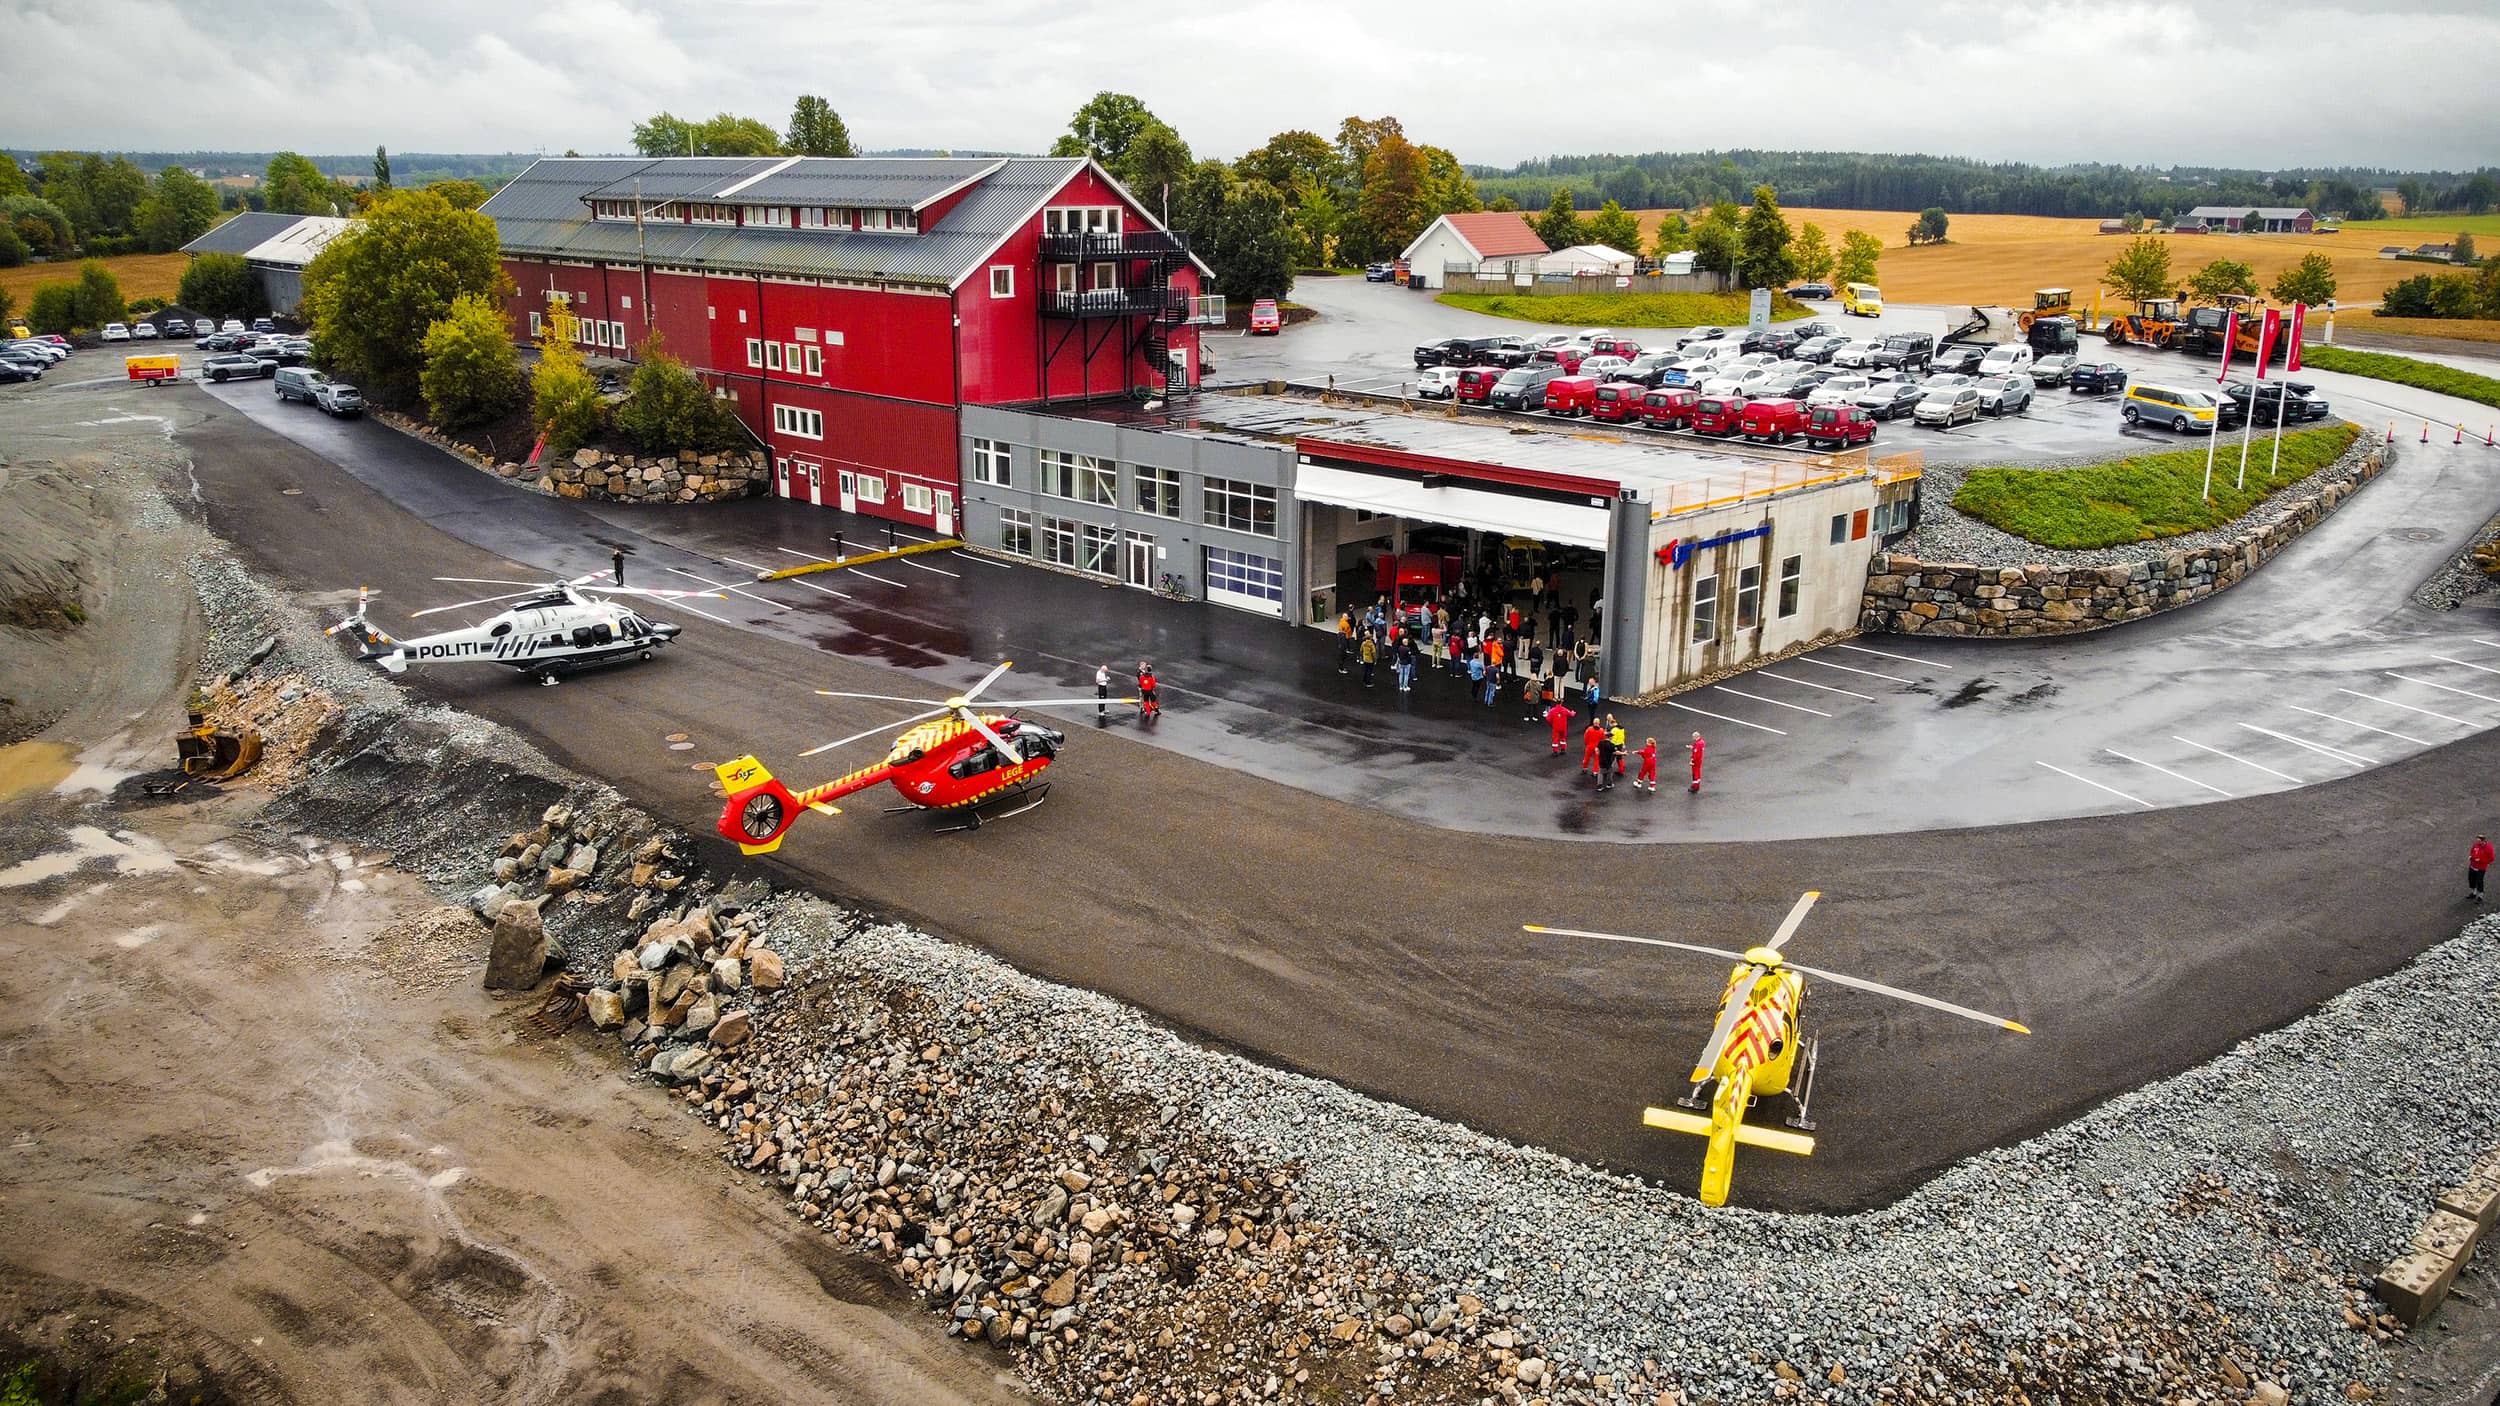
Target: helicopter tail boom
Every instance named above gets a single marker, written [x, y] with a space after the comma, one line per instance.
[1747, 1134]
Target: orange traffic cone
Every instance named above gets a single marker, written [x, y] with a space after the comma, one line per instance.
[2391, 432]
[2460, 439]
[2488, 441]
[2426, 431]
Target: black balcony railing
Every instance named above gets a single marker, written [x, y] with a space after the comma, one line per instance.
[1128, 244]
[1164, 304]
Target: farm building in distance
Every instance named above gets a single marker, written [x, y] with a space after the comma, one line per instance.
[276, 246]
[1469, 241]
[2234, 219]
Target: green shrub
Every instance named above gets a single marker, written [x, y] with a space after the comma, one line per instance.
[564, 400]
[1625, 309]
[471, 373]
[222, 285]
[13, 249]
[54, 309]
[2148, 496]
[666, 408]
[99, 295]
[2405, 371]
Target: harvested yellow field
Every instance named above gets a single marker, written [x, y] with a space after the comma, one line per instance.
[2455, 329]
[141, 276]
[2000, 259]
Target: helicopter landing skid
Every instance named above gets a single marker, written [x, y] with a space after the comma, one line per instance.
[1692, 1097]
[1026, 800]
[1805, 1086]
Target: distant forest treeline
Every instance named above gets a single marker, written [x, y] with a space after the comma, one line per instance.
[1864, 181]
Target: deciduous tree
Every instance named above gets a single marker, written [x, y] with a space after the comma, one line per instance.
[2221, 278]
[54, 309]
[1764, 260]
[1241, 228]
[1931, 226]
[221, 286]
[1104, 129]
[12, 176]
[666, 408]
[373, 291]
[1155, 163]
[1560, 226]
[1616, 228]
[460, 194]
[1391, 210]
[1447, 188]
[381, 169]
[723, 134]
[471, 373]
[1674, 235]
[564, 400]
[816, 129]
[99, 295]
[295, 186]
[1858, 253]
[2141, 271]
[2462, 249]
[1295, 162]
[1814, 254]
[12, 246]
[2310, 281]
[1718, 240]
[180, 209]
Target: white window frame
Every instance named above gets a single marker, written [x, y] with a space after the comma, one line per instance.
[1057, 533]
[876, 221]
[1098, 549]
[1097, 481]
[707, 214]
[772, 356]
[1792, 585]
[1063, 280]
[1748, 597]
[871, 488]
[1705, 614]
[1158, 490]
[917, 498]
[755, 353]
[1840, 528]
[990, 461]
[815, 361]
[800, 423]
[1106, 275]
[1002, 280]
[1219, 495]
[534, 324]
[791, 360]
[768, 216]
[811, 217]
[1015, 532]
[618, 329]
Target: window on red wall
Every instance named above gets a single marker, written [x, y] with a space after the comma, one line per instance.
[815, 361]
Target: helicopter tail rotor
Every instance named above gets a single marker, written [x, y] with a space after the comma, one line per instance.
[758, 809]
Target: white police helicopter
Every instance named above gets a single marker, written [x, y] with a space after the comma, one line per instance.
[549, 629]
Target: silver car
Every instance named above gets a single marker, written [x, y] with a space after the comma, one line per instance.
[1856, 354]
[2004, 395]
[1945, 408]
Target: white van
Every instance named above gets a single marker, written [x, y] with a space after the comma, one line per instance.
[2006, 360]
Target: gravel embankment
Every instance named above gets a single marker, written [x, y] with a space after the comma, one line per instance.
[1945, 535]
[1253, 1234]
[2461, 580]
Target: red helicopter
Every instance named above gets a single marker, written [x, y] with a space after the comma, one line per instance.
[957, 760]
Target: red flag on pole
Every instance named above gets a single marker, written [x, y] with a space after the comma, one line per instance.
[2230, 339]
[2266, 334]
[2291, 354]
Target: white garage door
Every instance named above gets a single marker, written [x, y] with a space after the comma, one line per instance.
[1245, 581]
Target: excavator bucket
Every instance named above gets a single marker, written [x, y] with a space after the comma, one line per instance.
[210, 753]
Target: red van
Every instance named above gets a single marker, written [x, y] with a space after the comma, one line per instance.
[1566, 357]
[1839, 426]
[1623, 347]
[1718, 414]
[1571, 395]
[1774, 420]
[1619, 401]
[1475, 384]
[1668, 408]
[1265, 321]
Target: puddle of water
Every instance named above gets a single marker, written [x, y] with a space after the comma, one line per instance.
[29, 767]
[95, 772]
[139, 937]
[127, 853]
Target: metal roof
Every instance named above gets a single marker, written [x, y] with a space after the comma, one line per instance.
[245, 231]
[542, 212]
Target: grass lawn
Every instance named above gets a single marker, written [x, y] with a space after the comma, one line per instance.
[2405, 371]
[2140, 499]
[1627, 309]
[141, 275]
[2464, 329]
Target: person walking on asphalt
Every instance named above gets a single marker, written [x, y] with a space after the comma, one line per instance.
[1102, 693]
[1607, 757]
[1146, 705]
[1345, 639]
[1695, 788]
[1588, 744]
[2477, 860]
[1475, 674]
[1405, 666]
[1648, 775]
[1614, 734]
[618, 557]
[1371, 655]
[1559, 718]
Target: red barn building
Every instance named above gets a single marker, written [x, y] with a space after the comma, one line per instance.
[850, 307]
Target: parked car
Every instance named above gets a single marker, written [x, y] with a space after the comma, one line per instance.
[1772, 420]
[1649, 368]
[2305, 402]
[143, 332]
[1699, 334]
[1619, 401]
[1570, 395]
[2005, 395]
[1265, 319]
[262, 324]
[1820, 349]
[1958, 356]
[1946, 407]
[1720, 415]
[1380, 273]
[1904, 349]
[1839, 426]
[1862, 300]
[52, 355]
[1521, 387]
[1808, 330]
[1437, 383]
[1669, 408]
[116, 332]
[1947, 381]
[228, 365]
[2051, 370]
[2180, 410]
[1613, 345]
[1498, 351]
[1778, 341]
[173, 326]
[13, 370]
[1449, 351]
[335, 398]
[231, 324]
[1475, 384]
[214, 342]
[2094, 377]
[1565, 359]
[285, 351]
[1838, 390]
[2006, 360]
[1855, 354]
[1604, 366]
[1788, 379]
[1811, 290]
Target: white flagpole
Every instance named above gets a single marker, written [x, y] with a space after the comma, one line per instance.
[2291, 363]
[2248, 427]
[2230, 333]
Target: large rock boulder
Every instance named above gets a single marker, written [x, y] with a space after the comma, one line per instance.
[517, 956]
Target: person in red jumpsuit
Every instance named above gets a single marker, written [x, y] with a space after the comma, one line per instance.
[1588, 745]
[1696, 786]
[1147, 706]
[1649, 767]
[2477, 860]
[1560, 717]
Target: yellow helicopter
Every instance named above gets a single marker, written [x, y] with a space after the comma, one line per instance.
[1752, 1052]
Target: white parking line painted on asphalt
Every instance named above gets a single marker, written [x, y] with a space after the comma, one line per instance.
[1756, 698]
[820, 590]
[961, 555]
[916, 537]
[898, 585]
[2323, 750]
[733, 590]
[1740, 722]
[2392, 703]
[2477, 668]
[2243, 761]
[803, 556]
[2183, 776]
[2097, 786]
[907, 561]
[1904, 658]
[1801, 683]
[690, 610]
[2365, 727]
[1870, 673]
[751, 566]
[2426, 683]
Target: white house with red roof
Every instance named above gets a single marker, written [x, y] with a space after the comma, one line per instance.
[1469, 239]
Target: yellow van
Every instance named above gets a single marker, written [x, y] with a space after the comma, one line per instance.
[2169, 406]
[1863, 299]
[19, 330]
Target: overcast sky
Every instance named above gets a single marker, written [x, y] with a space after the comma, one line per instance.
[2293, 82]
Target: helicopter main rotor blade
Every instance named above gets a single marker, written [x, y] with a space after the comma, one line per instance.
[464, 605]
[1640, 941]
[880, 728]
[1736, 1002]
[1796, 915]
[1050, 702]
[987, 679]
[490, 581]
[1739, 996]
[1007, 751]
[657, 592]
[1880, 989]
[877, 698]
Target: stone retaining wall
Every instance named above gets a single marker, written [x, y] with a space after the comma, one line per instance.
[614, 477]
[1908, 596]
